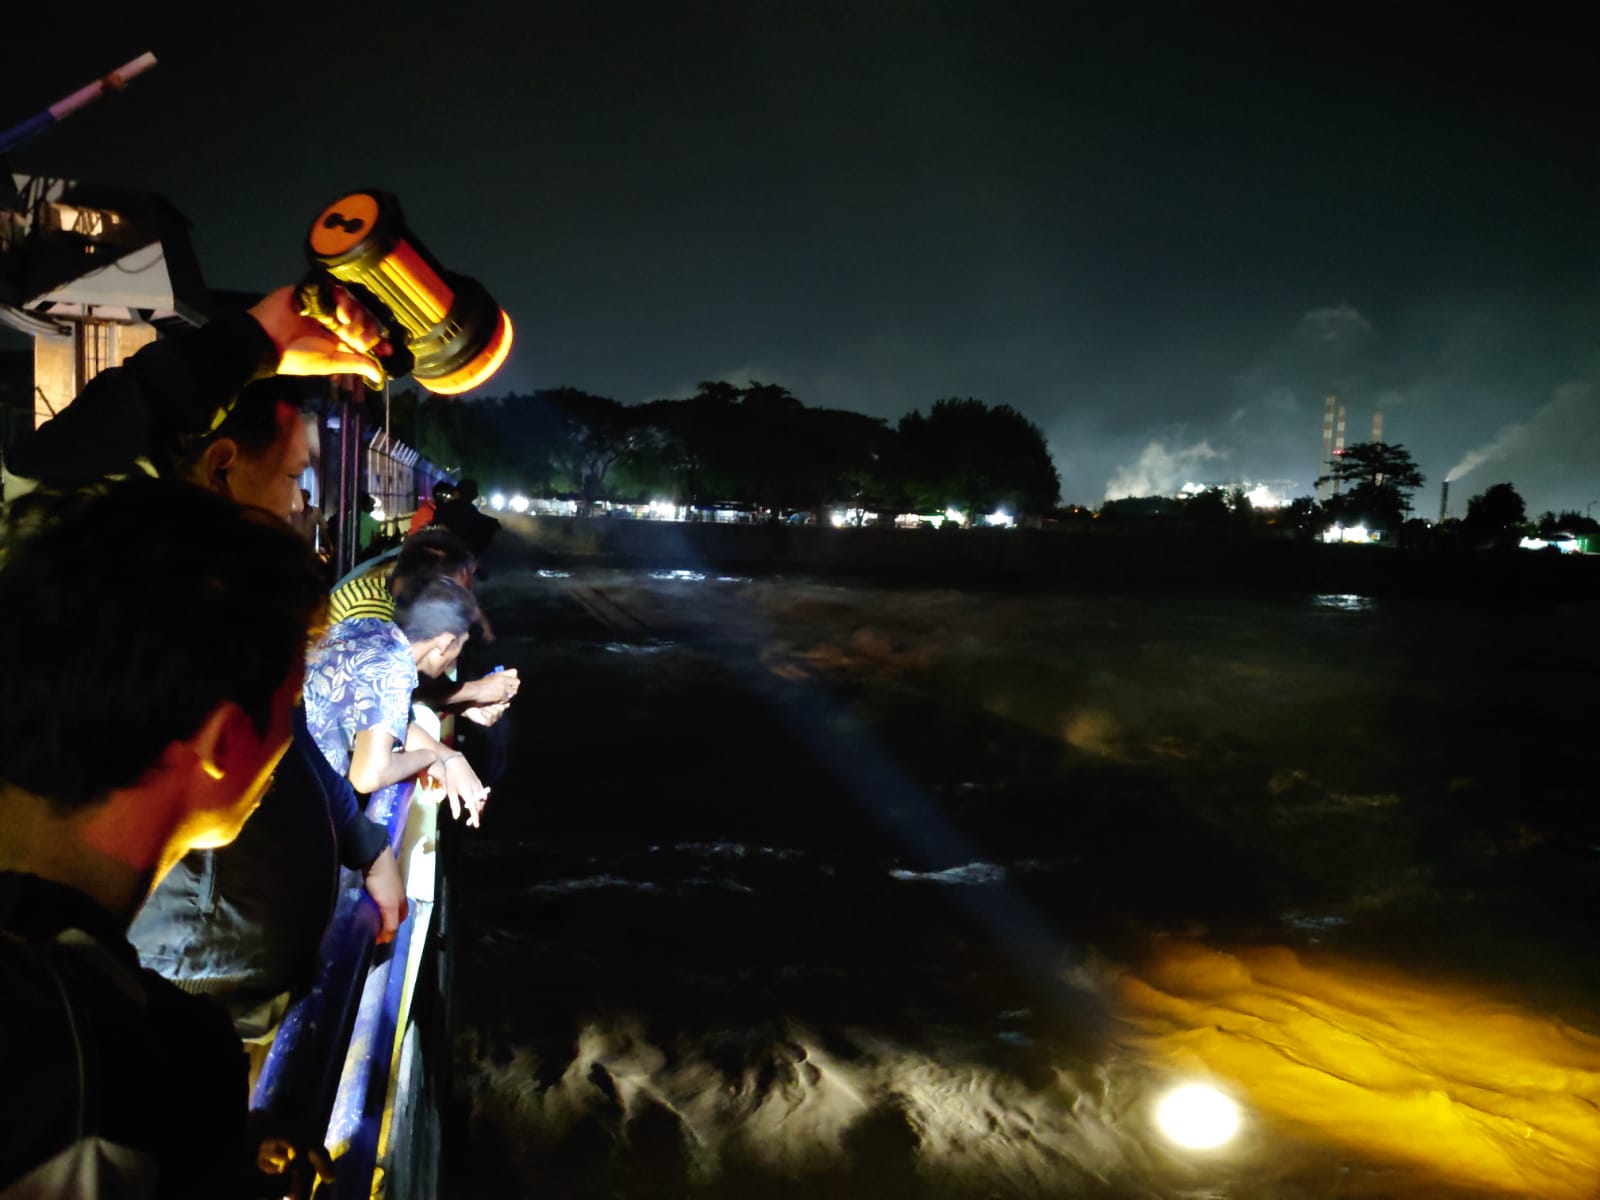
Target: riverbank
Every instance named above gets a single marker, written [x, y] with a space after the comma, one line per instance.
[1052, 557]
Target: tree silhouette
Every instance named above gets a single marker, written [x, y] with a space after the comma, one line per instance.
[594, 432]
[1376, 480]
[967, 455]
[1496, 516]
[1302, 517]
[759, 445]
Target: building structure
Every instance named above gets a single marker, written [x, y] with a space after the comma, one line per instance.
[92, 274]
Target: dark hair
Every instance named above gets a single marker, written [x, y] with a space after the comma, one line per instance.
[440, 606]
[443, 490]
[430, 553]
[252, 420]
[131, 616]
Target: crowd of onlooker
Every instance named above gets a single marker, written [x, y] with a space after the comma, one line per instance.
[173, 663]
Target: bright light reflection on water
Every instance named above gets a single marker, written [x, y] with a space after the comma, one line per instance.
[972, 874]
[1458, 1083]
[1197, 1117]
[680, 575]
[1346, 602]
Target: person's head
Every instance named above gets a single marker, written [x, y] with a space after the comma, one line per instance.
[431, 553]
[437, 622]
[258, 453]
[155, 636]
[467, 490]
[443, 491]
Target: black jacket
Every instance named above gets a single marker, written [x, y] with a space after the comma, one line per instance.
[138, 416]
[162, 1072]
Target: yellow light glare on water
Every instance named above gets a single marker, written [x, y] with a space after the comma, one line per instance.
[1197, 1117]
[1433, 1076]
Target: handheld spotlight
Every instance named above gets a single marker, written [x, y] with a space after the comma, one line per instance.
[445, 329]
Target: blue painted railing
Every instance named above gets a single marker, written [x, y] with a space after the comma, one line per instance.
[328, 1067]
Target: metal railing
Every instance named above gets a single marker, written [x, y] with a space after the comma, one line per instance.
[330, 1071]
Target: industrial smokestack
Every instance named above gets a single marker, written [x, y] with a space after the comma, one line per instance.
[1324, 489]
[1377, 439]
[1444, 500]
[1338, 445]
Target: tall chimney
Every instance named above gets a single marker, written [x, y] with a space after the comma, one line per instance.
[1377, 437]
[1338, 444]
[1325, 489]
[1444, 500]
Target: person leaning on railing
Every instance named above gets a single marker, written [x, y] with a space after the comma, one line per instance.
[374, 589]
[359, 682]
[156, 676]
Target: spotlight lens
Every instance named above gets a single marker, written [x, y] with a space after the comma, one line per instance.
[1197, 1117]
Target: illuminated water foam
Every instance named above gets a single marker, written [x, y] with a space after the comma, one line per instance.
[1197, 1117]
[1462, 1084]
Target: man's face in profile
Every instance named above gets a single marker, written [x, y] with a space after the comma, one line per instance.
[270, 478]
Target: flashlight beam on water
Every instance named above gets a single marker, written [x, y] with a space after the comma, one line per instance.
[1459, 1085]
[1197, 1116]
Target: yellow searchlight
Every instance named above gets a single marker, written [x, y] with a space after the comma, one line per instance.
[446, 330]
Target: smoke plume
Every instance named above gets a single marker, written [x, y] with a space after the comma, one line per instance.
[1159, 471]
[1507, 440]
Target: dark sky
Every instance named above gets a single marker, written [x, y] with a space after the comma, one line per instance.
[1162, 232]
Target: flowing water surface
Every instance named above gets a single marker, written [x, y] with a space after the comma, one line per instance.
[800, 888]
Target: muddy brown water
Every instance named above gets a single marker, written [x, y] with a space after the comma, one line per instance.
[797, 887]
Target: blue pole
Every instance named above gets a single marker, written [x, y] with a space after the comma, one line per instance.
[35, 126]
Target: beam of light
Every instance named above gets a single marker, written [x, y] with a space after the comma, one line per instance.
[498, 501]
[783, 1109]
[1197, 1117]
[1468, 1088]
[519, 503]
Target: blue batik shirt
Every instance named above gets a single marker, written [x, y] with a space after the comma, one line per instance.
[360, 676]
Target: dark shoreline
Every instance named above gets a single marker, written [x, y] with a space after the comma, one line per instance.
[1050, 559]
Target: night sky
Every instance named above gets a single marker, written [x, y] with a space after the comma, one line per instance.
[1161, 232]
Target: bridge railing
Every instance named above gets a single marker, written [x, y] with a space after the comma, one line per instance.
[331, 1070]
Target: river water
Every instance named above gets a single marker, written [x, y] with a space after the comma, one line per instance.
[800, 888]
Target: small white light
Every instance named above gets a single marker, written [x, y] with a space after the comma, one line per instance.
[519, 503]
[1197, 1117]
[497, 501]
